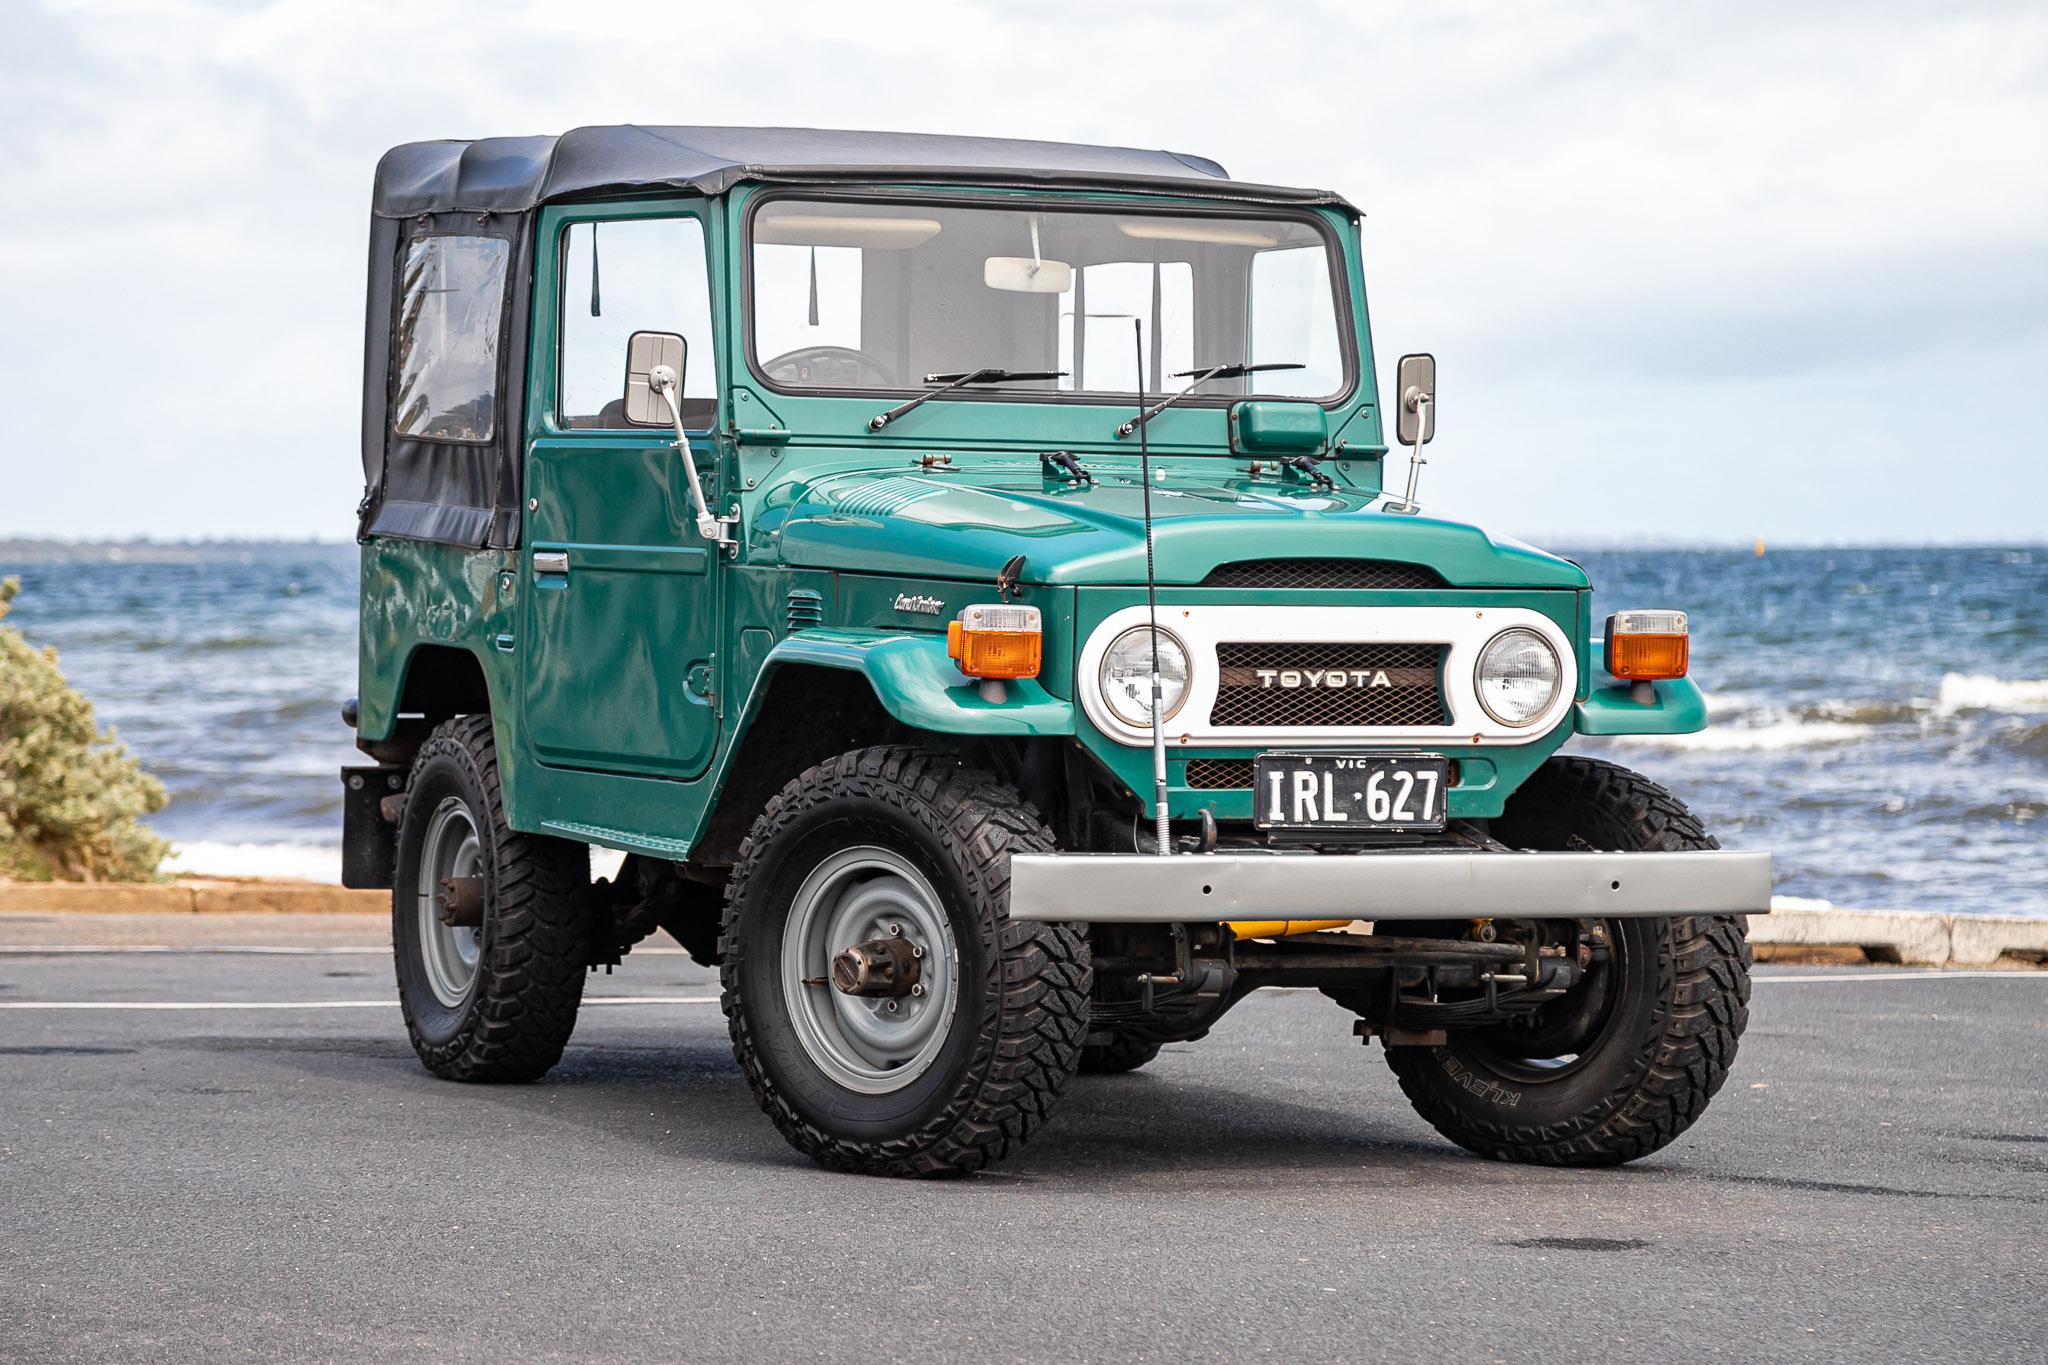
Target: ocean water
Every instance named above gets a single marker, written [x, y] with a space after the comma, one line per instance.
[1880, 715]
[224, 668]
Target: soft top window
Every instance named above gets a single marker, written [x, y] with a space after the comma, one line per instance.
[451, 305]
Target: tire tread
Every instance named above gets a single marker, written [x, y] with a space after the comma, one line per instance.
[1036, 994]
[530, 977]
[1703, 967]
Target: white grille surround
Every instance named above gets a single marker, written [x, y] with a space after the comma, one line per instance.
[1464, 631]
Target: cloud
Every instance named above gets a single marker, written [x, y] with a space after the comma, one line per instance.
[1720, 248]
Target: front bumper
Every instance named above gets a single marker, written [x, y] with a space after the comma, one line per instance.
[1209, 887]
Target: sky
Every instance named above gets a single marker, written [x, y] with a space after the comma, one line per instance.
[1699, 273]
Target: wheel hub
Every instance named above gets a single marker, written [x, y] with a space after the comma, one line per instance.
[869, 969]
[882, 967]
[461, 902]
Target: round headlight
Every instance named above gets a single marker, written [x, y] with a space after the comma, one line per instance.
[1127, 676]
[1517, 676]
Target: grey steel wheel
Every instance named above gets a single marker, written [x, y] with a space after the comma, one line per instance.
[870, 1044]
[452, 848]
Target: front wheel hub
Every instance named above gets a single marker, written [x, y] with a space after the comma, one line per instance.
[868, 919]
[884, 967]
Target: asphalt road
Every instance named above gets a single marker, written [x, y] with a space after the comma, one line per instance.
[288, 1183]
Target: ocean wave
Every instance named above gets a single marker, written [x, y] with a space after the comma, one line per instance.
[1864, 713]
[1981, 692]
[1760, 709]
[2031, 740]
[301, 862]
[2020, 811]
[203, 644]
[1792, 734]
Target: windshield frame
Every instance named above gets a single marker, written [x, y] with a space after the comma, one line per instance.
[1350, 343]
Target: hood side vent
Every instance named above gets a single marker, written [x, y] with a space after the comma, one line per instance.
[1323, 573]
[806, 608]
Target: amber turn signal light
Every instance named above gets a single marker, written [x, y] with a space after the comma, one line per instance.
[1643, 646]
[996, 641]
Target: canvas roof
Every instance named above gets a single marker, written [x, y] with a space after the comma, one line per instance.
[514, 174]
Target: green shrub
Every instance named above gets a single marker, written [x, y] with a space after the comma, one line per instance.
[69, 794]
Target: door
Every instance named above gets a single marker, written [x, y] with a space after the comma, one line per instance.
[619, 648]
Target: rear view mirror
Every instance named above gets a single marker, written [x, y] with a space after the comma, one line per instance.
[1415, 386]
[1025, 275]
[647, 352]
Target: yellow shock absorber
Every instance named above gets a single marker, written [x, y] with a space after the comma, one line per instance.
[1281, 928]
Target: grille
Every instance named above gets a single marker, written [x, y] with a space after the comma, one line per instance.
[1215, 774]
[1223, 774]
[1322, 573]
[1253, 690]
[806, 608]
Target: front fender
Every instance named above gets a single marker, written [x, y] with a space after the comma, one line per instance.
[1680, 708]
[918, 685]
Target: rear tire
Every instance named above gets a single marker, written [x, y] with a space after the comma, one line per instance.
[496, 1002]
[1628, 1061]
[886, 841]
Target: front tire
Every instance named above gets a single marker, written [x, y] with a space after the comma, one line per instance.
[495, 1001]
[906, 843]
[1627, 1061]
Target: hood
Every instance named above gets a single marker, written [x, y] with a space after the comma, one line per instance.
[968, 522]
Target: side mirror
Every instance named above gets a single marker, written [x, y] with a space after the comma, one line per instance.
[645, 353]
[1415, 383]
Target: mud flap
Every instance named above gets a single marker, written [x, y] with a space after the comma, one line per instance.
[369, 841]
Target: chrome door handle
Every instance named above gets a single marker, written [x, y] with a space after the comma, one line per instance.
[551, 562]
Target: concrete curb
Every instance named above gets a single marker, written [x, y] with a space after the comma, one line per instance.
[1914, 937]
[193, 896]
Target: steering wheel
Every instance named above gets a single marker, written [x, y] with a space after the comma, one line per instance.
[832, 367]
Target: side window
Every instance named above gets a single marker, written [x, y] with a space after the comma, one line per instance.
[624, 276]
[451, 305]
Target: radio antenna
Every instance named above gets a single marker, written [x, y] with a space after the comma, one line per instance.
[1152, 607]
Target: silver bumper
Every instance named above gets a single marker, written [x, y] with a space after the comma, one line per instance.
[1206, 887]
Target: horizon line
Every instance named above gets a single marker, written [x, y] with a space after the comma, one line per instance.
[15, 543]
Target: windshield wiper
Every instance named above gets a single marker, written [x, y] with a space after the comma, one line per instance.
[1213, 372]
[955, 381]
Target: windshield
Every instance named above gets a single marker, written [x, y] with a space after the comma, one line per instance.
[849, 295]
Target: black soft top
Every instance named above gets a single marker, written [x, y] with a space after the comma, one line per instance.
[467, 492]
[514, 174]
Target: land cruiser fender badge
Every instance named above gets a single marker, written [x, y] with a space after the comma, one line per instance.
[923, 606]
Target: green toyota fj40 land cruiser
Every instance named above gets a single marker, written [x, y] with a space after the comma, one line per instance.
[958, 575]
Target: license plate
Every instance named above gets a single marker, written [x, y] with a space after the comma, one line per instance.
[1361, 793]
